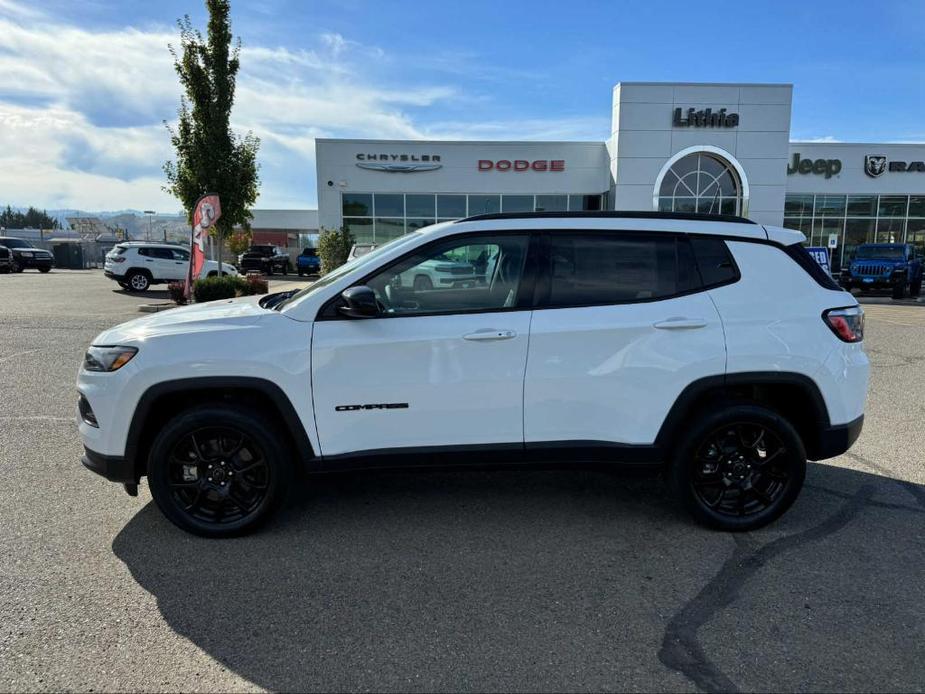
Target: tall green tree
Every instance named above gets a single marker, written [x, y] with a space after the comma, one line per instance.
[210, 157]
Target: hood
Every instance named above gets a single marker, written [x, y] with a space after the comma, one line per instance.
[229, 314]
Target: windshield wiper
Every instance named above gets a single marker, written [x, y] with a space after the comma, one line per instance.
[275, 301]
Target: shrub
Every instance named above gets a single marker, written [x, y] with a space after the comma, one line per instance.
[228, 287]
[333, 248]
[215, 288]
[177, 292]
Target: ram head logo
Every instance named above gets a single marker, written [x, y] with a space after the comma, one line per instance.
[874, 164]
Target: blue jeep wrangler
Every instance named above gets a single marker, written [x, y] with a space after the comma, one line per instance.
[308, 262]
[893, 266]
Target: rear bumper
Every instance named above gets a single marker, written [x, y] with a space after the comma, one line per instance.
[115, 469]
[835, 440]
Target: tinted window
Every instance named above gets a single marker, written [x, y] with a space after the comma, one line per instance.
[802, 257]
[180, 254]
[472, 274]
[604, 269]
[714, 260]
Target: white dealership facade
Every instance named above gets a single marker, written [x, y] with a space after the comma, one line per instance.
[722, 148]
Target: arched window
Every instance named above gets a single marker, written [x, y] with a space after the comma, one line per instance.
[701, 182]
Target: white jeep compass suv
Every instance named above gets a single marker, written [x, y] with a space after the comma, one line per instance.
[136, 265]
[712, 348]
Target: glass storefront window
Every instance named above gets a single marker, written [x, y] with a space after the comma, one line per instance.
[917, 206]
[551, 203]
[389, 205]
[484, 204]
[362, 229]
[857, 231]
[420, 205]
[893, 205]
[451, 206]
[388, 229]
[517, 203]
[862, 205]
[357, 205]
[416, 223]
[798, 205]
[830, 205]
[890, 229]
[584, 203]
[915, 233]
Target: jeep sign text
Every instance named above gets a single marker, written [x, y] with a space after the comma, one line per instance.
[705, 118]
[829, 167]
[522, 165]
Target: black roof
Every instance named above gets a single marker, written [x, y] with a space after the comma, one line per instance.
[609, 214]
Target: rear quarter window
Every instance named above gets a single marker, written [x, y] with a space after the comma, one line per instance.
[798, 254]
[714, 260]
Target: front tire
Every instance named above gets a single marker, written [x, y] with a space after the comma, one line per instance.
[219, 471]
[738, 468]
[915, 289]
[422, 283]
[43, 270]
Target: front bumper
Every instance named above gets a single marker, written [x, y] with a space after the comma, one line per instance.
[879, 282]
[835, 440]
[34, 263]
[113, 468]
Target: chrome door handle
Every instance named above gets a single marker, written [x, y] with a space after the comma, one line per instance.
[490, 335]
[680, 324]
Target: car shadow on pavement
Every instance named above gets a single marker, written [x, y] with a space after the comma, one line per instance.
[550, 580]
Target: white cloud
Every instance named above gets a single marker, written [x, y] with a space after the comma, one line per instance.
[81, 112]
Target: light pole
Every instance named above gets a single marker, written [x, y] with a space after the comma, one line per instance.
[150, 214]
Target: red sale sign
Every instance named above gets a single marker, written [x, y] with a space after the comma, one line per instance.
[208, 210]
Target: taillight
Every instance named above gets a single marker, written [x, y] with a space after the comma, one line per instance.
[846, 323]
[118, 259]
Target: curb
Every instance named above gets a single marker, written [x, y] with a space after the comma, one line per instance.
[155, 308]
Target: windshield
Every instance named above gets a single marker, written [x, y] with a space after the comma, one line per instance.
[880, 252]
[14, 243]
[337, 273]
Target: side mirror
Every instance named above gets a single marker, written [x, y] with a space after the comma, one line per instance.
[361, 303]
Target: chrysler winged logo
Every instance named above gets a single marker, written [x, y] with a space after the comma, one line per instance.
[874, 165]
[399, 163]
[398, 168]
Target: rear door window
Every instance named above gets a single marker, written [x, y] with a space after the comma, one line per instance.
[586, 269]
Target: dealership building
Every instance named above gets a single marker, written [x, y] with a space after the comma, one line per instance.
[720, 148]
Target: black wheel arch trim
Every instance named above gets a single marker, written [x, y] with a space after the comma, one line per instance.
[673, 424]
[291, 422]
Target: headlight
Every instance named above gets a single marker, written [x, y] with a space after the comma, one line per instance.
[26, 254]
[108, 358]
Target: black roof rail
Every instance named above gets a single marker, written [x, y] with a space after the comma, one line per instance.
[610, 214]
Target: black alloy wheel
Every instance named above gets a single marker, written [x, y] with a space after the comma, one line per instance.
[740, 468]
[217, 471]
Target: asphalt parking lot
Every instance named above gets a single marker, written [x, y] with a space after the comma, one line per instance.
[518, 581]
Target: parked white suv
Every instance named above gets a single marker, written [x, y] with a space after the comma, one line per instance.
[712, 348]
[136, 265]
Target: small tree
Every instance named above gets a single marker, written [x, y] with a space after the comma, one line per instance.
[239, 242]
[210, 157]
[333, 248]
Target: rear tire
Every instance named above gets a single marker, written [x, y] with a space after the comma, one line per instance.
[915, 289]
[422, 283]
[138, 281]
[738, 468]
[219, 471]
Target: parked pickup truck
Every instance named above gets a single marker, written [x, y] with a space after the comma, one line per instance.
[265, 259]
[308, 262]
[894, 266]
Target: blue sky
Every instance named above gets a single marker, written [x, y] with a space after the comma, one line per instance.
[85, 86]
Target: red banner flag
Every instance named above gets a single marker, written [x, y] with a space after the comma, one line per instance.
[208, 210]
